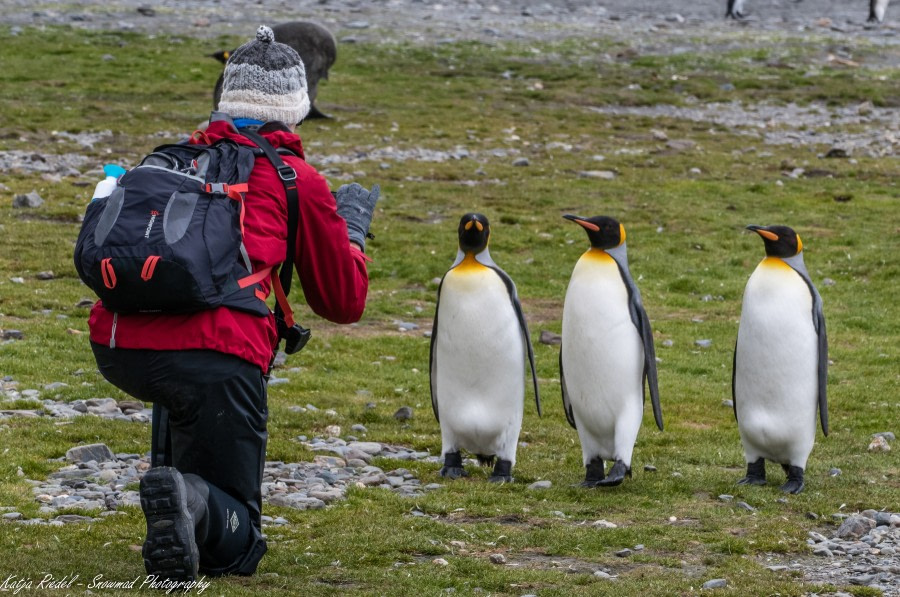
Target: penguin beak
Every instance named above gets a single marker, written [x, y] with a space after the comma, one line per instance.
[582, 222]
[760, 230]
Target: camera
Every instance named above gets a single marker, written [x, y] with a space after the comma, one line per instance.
[295, 338]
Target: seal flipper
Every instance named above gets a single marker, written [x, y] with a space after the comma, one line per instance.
[314, 112]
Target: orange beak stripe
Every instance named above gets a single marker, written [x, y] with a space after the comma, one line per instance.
[468, 225]
[479, 225]
[766, 234]
[589, 225]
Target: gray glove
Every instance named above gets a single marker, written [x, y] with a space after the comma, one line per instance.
[356, 205]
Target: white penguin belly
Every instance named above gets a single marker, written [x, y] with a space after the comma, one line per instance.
[776, 367]
[603, 360]
[479, 364]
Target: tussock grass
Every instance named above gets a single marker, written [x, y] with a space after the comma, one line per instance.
[686, 243]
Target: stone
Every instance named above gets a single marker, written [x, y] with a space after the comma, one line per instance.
[879, 444]
[541, 485]
[716, 583]
[371, 448]
[598, 174]
[855, 527]
[98, 452]
[29, 200]
[404, 413]
[498, 558]
[550, 338]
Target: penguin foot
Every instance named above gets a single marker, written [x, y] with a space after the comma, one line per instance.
[616, 475]
[453, 468]
[794, 481]
[453, 472]
[756, 473]
[502, 472]
[593, 472]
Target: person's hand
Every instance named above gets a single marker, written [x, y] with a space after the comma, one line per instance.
[356, 205]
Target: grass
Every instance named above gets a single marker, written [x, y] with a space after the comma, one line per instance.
[688, 251]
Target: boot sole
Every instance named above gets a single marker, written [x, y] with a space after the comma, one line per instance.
[170, 550]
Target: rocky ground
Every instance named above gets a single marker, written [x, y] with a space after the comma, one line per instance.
[93, 483]
[439, 20]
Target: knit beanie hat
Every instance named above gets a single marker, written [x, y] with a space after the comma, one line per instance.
[265, 80]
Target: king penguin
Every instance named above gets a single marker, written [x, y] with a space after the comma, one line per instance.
[606, 355]
[877, 8]
[478, 358]
[780, 362]
[734, 9]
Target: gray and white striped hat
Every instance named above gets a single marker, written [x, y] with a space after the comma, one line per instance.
[265, 80]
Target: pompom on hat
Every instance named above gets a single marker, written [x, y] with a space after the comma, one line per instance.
[265, 80]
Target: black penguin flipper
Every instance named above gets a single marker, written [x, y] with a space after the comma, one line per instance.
[733, 374]
[645, 330]
[431, 357]
[517, 307]
[567, 406]
[650, 374]
[818, 320]
[822, 367]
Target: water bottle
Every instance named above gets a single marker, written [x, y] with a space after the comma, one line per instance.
[106, 186]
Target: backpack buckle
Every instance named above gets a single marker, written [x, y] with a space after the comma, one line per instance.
[286, 173]
[234, 191]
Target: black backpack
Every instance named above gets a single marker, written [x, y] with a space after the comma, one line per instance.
[169, 239]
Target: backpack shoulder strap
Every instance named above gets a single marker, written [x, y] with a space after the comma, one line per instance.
[284, 316]
[289, 180]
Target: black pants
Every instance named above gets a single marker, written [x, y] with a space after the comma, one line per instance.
[217, 414]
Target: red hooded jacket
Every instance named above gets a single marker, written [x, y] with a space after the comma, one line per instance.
[332, 272]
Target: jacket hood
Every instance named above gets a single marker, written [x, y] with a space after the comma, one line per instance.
[222, 127]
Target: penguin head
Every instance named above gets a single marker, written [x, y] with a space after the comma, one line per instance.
[221, 56]
[603, 232]
[781, 241]
[474, 233]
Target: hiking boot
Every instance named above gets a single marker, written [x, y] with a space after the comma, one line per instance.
[170, 550]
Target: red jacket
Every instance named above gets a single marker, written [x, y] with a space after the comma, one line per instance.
[332, 272]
